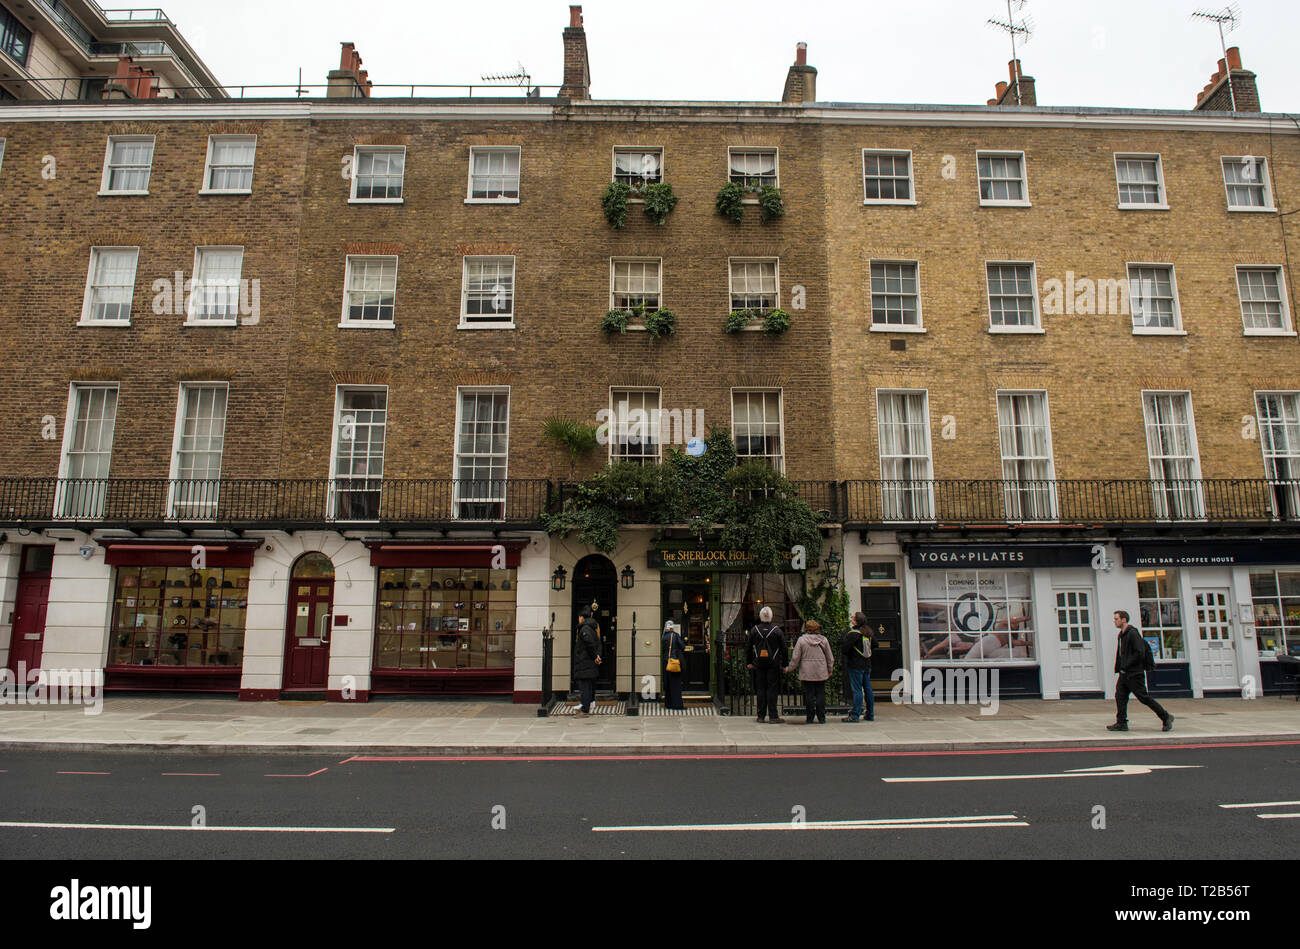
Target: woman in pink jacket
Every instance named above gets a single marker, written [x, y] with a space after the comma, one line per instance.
[812, 658]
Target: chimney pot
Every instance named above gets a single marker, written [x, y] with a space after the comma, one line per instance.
[1234, 57]
[1002, 89]
[801, 54]
[1013, 68]
[575, 16]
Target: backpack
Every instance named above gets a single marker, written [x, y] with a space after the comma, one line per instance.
[1148, 657]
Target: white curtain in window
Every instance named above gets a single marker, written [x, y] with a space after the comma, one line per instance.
[734, 586]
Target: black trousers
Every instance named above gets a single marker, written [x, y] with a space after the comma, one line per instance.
[767, 686]
[814, 700]
[673, 690]
[587, 690]
[1135, 684]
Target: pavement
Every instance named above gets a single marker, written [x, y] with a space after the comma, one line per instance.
[433, 726]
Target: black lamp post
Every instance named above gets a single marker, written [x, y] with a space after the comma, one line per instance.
[833, 564]
[629, 577]
[557, 578]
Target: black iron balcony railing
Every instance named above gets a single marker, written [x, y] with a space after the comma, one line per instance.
[1070, 502]
[273, 502]
[359, 500]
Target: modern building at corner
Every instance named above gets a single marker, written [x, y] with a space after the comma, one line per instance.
[286, 434]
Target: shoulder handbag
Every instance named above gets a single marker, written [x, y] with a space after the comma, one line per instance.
[674, 665]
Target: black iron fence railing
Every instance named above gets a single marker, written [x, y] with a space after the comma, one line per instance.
[734, 684]
[855, 504]
[286, 502]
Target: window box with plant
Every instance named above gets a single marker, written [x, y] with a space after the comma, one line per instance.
[775, 322]
[659, 323]
[657, 200]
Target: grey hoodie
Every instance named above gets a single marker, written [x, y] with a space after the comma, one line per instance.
[812, 658]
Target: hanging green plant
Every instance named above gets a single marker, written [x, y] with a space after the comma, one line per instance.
[659, 201]
[661, 323]
[776, 322]
[770, 205]
[731, 202]
[615, 204]
[737, 320]
[570, 436]
[616, 321]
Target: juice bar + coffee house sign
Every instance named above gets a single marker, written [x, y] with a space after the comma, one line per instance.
[708, 558]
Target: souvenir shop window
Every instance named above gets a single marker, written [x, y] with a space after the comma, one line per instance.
[445, 618]
[175, 616]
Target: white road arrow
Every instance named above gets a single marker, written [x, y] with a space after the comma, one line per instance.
[1105, 771]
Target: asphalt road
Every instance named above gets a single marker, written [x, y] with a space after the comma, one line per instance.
[395, 809]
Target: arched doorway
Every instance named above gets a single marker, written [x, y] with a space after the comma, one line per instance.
[307, 632]
[596, 581]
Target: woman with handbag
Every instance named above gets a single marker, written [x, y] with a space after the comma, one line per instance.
[674, 650]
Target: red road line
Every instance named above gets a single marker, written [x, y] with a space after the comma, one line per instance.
[312, 775]
[836, 754]
[83, 772]
[188, 774]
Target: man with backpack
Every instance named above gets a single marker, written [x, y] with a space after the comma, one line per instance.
[765, 656]
[1133, 659]
[857, 660]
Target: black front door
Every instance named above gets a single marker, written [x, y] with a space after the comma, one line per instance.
[688, 605]
[595, 581]
[884, 618]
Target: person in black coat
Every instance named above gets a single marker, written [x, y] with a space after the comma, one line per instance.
[674, 648]
[765, 655]
[1130, 663]
[586, 659]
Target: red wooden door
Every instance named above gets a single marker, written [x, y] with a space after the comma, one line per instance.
[306, 648]
[27, 641]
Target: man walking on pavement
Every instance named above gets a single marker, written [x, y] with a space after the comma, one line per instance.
[765, 657]
[1133, 658]
[857, 659]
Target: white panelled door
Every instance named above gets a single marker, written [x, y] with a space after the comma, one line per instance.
[1074, 623]
[1218, 655]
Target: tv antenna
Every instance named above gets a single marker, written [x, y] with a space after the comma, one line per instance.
[1022, 28]
[519, 77]
[1230, 17]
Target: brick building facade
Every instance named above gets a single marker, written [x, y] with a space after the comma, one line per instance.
[326, 474]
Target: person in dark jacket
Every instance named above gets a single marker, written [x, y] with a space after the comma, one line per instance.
[1130, 664]
[674, 648]
[857, 660]
[765, 655]
[586, 659]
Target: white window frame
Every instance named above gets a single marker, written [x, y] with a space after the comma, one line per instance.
[2, 153]
[1175, 330]
[1024, 179]
[875, 327]
[64, 497]
[466, 321]
[780, 418]
[1287, 328]
[613, 265]
[211, 498]
[469, 187]
[194, 303]
[344, 321]
[751, 197]
[1037, 327]
[1270, 206]
[87, 304]
[1291, 456]
[355, 176]
[332, 498]
[456, 499]
[651, 427]
[641, 150]
[1162, 198]
[896, 487]
[757, 324]
[207, 165]
[911, 178]
[108, 155]
[1013, 497]
[1193, 496]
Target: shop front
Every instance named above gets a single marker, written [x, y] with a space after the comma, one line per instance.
[1217, 612]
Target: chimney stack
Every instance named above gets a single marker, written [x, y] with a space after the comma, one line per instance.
[1006, 91]
[1216, 96]
[577, 70]
[801, 80]
[131, 82]
[349, 81]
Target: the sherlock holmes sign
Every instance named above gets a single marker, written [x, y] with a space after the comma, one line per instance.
[1211, 553]
[705, 558]
[947, 556]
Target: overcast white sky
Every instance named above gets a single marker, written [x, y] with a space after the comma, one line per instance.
[1122, 53]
